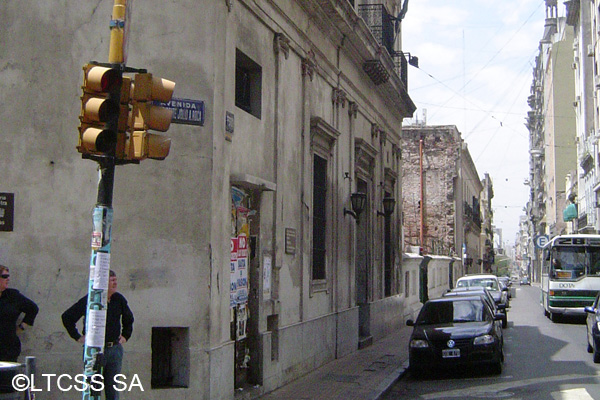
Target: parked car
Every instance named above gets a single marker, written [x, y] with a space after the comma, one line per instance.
[484, 293]
[506, 289]
[505, 280]
[593, 331]
[455, 331]
[491, 283]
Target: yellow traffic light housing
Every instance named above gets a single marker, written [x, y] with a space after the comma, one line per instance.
[100, 110]
[145, 115]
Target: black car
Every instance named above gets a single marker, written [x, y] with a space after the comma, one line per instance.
[485, 294]
[491, 283]
[455, 331]
[593, 331]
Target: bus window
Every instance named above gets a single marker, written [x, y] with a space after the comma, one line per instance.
[568, 262]
[545, 261]
[594, 261]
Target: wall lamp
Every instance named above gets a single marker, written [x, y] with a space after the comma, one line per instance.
[388, 207]
[358, 201]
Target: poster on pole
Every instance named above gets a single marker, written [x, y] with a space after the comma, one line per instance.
[96, 328]
[101, 271]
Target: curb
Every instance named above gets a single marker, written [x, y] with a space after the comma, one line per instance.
[390, 380]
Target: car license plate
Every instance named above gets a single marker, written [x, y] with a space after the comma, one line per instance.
[451, 353]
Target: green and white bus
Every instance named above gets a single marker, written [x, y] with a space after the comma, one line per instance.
[570, 274]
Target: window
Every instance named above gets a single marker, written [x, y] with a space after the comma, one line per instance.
[319, 217]
[323, 139]
[388, 256]
[170, 358]
[407, 283]
[248, 84]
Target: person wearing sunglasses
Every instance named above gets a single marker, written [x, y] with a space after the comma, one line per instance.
[12, 305]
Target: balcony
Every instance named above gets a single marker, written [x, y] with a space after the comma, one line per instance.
[380, 23]
[384, 28]
[367, 29]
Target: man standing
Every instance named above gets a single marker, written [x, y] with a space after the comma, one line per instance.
[12, 304]
[119, 326]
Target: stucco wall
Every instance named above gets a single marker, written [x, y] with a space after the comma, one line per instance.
[171, 229]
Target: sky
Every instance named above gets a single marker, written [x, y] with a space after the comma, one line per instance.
[476, 60]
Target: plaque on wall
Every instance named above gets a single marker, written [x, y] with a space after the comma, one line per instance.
[290, 241]
[7, 211]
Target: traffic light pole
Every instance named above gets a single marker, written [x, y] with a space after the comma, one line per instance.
[95, 325]
[95, 322]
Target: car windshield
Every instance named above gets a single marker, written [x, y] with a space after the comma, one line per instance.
[489, 283]
[445, 312]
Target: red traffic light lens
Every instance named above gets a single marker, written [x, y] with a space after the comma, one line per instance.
[110, 80]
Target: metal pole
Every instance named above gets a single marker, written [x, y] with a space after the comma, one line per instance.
[422, 190]
[29, 371]
[95, 322]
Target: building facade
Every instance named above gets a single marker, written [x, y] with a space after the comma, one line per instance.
[552, 125]
[579, 20]
[441, 194]
[239, 254]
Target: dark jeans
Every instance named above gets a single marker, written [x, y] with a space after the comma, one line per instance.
[113, 357]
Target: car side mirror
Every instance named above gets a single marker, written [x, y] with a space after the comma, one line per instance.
[498, 317]
[505, 289]
[410, 322]
[589, 309]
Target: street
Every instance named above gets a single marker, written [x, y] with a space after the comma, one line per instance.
[543, 360]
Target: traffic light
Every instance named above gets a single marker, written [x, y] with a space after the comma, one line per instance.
[145, 115]
[100, 110]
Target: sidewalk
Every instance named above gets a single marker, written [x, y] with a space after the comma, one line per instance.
[363, 375]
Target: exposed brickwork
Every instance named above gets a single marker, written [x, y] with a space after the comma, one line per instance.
[440, 156]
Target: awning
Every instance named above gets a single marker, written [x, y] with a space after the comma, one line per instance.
[570, 213]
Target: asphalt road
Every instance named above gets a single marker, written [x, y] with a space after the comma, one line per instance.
[543, 360]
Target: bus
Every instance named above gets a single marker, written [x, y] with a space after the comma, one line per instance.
[570, 274]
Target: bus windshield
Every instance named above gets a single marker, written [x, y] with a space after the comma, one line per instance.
[571, 262]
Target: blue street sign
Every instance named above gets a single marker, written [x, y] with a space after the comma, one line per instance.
[540, 241]
[185, 111]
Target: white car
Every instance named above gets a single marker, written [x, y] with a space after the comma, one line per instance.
[490, 282]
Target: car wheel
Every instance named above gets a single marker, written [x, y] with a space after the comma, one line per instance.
[416, 372]
[590, 349]
[504, 322]
[497, 368]
[553, 317]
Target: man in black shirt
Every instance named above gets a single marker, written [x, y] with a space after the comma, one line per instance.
[12, 304]
[118, 313]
